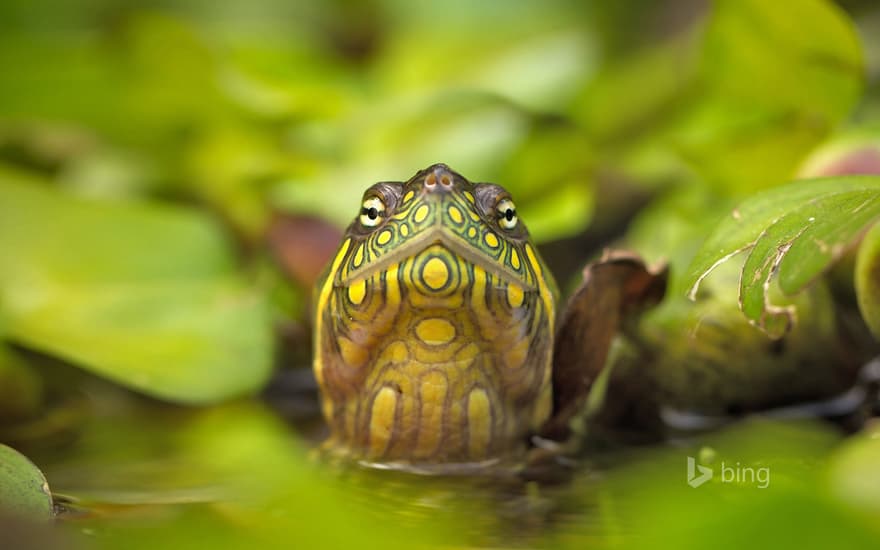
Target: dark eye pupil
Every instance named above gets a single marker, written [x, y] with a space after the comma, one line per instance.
[509, 214]
[371, 212]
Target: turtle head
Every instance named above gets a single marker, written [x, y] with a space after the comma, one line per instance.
[437, 206]
[434, 324]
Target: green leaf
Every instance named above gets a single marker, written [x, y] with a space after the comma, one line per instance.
[233, 476]
[142, 294]
[776, 86]
[23, 488]
[852, 473]
[795, 231]
[867, 279]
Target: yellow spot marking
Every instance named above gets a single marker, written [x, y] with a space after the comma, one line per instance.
[353, 354]
[514, 295]
[455, 214]
[384, 237]
[536, 265]
[396, 352]
[435, 274]
[514, 258]
[327, 409]
[515, 356]
[467, 353]
[318, 366]
[468, 196]
[404, 230]
[421, 213]
[472, 232]
[392, 289]
[382, 420]
[433, 397]
[479, 413]
[435, 332]
[358, 256]
[473, 215]
[408, 196]
[478, 292]
[546, 295]
[491, 240]
[357, 291]
[542, 408]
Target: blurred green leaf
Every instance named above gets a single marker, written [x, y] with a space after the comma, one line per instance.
[795, 231]
[23, 488]
[774, 87]
[468, 131]
[231, 476]
[539, 71]
[738, 98]
[565, 210]
[142, 294]
[733, 509]
[867, 279]
[853, 476]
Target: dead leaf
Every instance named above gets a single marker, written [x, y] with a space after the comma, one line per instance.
[615, 287]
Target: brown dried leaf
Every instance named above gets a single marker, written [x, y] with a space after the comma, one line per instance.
[615, 287]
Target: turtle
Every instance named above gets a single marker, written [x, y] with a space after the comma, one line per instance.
[438, 338]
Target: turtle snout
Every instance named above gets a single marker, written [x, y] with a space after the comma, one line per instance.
[439, 179]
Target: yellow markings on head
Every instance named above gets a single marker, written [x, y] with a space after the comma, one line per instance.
[515, 356]
[353, 354]
[435, 273]
[323, 297]
[404, 230]
[546, 295]
[467, 353]
[473, 215]
[408, 196]
[327, 408]
[514, 295]
[421, 213]
[468, 195]
[478, 290]
[382, 420]
[392, 288]
[435, 331]
[533, 260]
[384, 237]
[543, 407]
[472, 232]
[514, 258]
[357, 291]
[479, 415]
[432, 391]
[396, 352]
[491, 239]
[358, 256]
[455, 214]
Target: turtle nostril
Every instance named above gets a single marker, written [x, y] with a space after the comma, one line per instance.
[431, 180]
[439, 178]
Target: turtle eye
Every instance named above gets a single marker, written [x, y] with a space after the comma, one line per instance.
[372, 212]
[506, 214]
